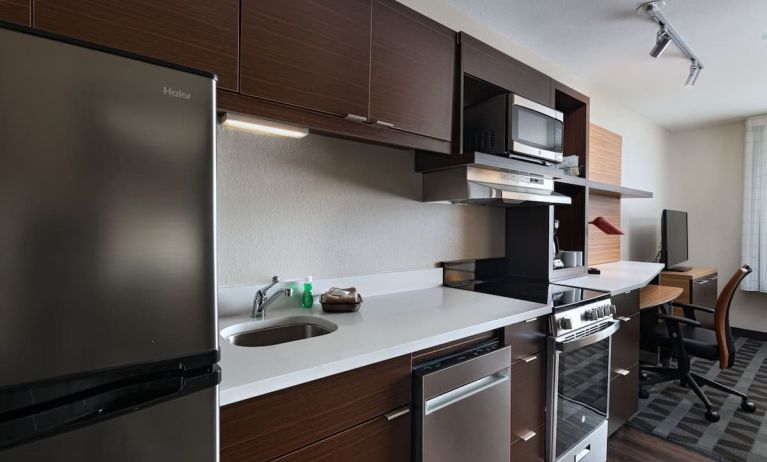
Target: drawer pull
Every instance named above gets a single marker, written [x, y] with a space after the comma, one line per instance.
[381, 123]
[356, 118]
[529, 359]
[623, 372]
[623, 318]
[397, 413]
[705, 281]
[531, 320]
[527, 436]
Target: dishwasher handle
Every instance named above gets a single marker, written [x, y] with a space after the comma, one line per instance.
[470, 389]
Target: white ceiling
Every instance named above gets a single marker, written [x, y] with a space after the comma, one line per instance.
[607, 44]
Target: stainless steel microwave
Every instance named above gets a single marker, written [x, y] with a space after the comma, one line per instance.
[511, 125]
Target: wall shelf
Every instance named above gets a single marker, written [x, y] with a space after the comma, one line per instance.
[613, 190]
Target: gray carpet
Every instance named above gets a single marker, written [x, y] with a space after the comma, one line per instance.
[675, 413]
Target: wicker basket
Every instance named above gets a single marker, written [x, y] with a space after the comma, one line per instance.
[344, 307]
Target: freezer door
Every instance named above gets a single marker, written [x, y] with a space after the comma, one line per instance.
[184, 429]
[106, 210]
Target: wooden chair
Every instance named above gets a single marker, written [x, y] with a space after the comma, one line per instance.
[684, 336]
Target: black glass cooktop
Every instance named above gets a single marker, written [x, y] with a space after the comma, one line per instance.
[560, 297]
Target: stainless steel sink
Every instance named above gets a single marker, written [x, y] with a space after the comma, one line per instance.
[274, 332]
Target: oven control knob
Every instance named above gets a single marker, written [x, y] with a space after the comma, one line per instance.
[613, 310]
[590, 315]
[565, 323]
[603, 311]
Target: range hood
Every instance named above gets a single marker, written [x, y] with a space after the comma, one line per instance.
[473, 185]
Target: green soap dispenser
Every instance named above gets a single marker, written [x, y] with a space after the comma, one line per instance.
[307, 299]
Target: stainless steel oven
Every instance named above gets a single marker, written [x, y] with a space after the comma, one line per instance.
[578, 380]
[511, 125]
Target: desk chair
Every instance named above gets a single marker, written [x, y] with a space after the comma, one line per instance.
[685, 337]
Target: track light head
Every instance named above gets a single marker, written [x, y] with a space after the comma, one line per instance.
[661, 43]
[695, 68]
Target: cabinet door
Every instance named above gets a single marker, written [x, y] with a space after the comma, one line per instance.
[18, 11]
[379, 440]
[485, 62]
[412, 71]
[528, 396]
[314, 54]
[199, 34]
[532, 448]
[625, 346]
[624, 399]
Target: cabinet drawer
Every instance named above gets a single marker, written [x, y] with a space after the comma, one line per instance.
[526, 338]
[532, 450]
[625, 346]
[379, 440]
[272, 425]
[528, 399]
[624, 398]
[627, 303]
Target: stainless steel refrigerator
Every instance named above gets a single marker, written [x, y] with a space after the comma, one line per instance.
[108, 331]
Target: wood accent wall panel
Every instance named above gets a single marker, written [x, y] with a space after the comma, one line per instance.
[603, 248]
[313, 54]
[199, 34]
[263, 428]
[605, 148]
[18, 11]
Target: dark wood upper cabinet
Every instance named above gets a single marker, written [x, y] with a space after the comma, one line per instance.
[200, 34]
[412, 71]
[18, 11]
[485, 62]
[314, 54]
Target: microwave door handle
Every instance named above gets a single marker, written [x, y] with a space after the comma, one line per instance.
[537, 107]
[575, 344]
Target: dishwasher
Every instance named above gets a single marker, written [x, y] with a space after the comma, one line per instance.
[462, 406]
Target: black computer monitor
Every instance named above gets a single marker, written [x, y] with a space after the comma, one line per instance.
[674, 246]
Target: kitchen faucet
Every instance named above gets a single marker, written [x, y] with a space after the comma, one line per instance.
[262, 300]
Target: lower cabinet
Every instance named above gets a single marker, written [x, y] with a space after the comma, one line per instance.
[528, 396]
[18, 11]
[384, 439]
[624, 399]
[530, 449]
[325, 419]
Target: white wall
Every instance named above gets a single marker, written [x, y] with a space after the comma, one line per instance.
[707, 181]
[331, 208]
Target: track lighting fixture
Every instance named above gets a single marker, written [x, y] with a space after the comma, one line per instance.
[667, 34]
[661, 43]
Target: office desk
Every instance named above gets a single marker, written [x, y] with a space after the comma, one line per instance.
[651, 296]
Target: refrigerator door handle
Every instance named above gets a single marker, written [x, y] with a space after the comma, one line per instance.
[104, 402]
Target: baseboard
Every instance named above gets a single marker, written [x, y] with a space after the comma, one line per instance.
[737, 331]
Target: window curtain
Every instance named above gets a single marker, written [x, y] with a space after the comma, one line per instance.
[755, 204]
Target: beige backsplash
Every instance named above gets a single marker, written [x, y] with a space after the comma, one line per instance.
[331, 207]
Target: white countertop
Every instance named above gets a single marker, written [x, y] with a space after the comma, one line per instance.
[386, 326]
[617, 277]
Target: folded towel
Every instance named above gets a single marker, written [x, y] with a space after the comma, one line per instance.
[336, 295]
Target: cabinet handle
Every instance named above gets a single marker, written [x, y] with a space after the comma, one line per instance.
[623, 372]
[713, 278]
[381, 123]
[356, 118]
[700, 283]
[529, 359]
[527, 436]
[623, 318]
[397, 413]
[531, 320]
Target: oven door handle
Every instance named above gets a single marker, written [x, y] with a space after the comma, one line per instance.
[578, 343]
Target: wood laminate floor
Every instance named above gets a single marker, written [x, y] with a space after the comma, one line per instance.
[630, 445]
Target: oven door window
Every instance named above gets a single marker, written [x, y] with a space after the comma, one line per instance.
[583, 384]
[537, 130]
